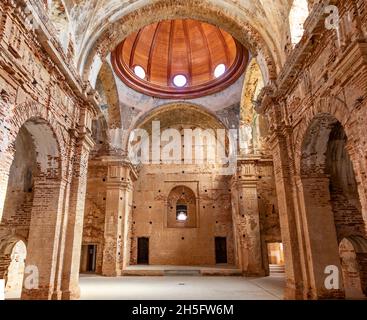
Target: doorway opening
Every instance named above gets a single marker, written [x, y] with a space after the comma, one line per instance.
[88, 261]
[276, 257]
[143, 250]
[275, 253]
[220, 250]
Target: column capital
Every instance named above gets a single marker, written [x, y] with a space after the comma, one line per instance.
[120, 174]
[247, 170]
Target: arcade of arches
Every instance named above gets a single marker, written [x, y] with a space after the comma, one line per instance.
[95, 94]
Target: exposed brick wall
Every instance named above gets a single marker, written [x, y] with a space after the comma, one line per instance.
[322, 84]
[5, 260]
[20, 191]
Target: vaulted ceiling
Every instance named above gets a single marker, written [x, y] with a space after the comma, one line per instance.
[269, 17]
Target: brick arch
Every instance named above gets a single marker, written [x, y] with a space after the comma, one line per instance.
[331, 106]
[353, 250]
[330, 205]
[47, 206]
[107, 89]
[181, 193]
[108, 36]
[8, 242]
[32, 110]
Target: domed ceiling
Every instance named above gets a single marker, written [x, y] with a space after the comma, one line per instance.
[179, 59]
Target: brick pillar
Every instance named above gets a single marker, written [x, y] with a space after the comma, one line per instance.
[118, 211]
[287, 197]
[6, 152]
[248, 221]
[322, 245]
[44, 236]
[6, 160]
[359, 163]
[75, 215]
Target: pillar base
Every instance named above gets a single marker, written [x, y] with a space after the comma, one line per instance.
[293, 292]
[57, 295]
[112, 274]
[260, 273]
[37, 294]
[73, 294]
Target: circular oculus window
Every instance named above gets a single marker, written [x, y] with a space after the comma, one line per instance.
[180, 81]
[219, 70]
[139, 72]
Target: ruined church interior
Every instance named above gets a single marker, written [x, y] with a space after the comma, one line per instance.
[209, 149]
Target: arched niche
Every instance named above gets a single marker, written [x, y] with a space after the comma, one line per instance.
[181, 202]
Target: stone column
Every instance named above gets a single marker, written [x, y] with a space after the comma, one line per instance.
[118, 210]
[248, 221]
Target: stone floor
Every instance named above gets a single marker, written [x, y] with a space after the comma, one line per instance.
[181, 288]
[162, 270]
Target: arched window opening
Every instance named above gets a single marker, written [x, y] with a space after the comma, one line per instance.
[297, 17]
